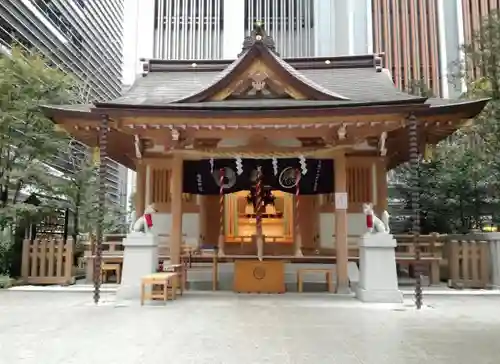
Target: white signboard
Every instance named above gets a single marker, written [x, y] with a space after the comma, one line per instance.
[341, 200]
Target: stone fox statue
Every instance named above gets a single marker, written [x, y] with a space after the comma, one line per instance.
[373, 223]
[145, 222]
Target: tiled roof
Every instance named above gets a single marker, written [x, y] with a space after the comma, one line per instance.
[360, 80]
[300, 76]
[348, 81]
[357, 84]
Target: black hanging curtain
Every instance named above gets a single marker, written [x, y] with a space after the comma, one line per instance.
[203, 177]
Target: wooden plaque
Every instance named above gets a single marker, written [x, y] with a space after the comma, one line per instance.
[254, 276]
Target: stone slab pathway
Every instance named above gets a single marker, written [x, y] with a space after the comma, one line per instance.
[211, 328]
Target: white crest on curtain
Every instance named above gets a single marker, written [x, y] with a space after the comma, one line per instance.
[316, 179]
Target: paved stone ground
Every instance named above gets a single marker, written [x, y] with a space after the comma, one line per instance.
[56, 328]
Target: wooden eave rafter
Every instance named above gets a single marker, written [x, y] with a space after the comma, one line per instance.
[262, 117]
[328, 132]
[243, 128]
[263, 150]
[120, 146]
[304, 122]
[466, 109]
[429, 132]
[324, 139]
[188, 133]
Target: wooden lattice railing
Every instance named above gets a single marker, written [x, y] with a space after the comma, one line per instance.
[47, 261]
[469, 263]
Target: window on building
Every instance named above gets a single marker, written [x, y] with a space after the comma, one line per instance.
[10, 36]
[80, 3]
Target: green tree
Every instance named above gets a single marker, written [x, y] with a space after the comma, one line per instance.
[131, 201]
[481, 72]
[80, 192]
[460, 185]
[27, 137]
[454, 189]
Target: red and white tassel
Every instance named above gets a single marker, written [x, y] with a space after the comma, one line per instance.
[221, 212]
[258, 203]
[258, 217]
[298, 235]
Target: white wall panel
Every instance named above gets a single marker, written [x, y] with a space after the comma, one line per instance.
[289, 22]
[188, 29]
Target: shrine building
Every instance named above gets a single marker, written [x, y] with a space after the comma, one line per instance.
[285, 149]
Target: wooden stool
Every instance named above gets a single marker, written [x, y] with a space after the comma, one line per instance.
[180, 269]
[188, 252]
[110, 267]
[326, 272]
[159, 279]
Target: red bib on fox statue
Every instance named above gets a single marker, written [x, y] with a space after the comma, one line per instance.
[373, 223]
[149, 220]
[369, 222]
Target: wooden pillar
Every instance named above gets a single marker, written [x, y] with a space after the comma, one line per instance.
[315, 222]
[176, 209]
[140, 192]
[212, 217]
[307, 221]
[382, 192]
[149, 183]
[203, 204]
[341, 247]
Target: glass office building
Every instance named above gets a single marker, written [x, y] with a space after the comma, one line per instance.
[420, 39]
[82, 37]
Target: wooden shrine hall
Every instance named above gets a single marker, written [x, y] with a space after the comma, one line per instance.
[263, 153]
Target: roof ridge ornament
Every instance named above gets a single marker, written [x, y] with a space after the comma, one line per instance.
[259, 35]
[145, 66]
[378, 61]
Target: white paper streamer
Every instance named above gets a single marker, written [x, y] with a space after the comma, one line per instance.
[275, 166]
[303, 166]
[239, 166]
[211, 165]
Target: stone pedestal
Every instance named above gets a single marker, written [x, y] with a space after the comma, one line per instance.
[495, 262]
[140, 257]
[378, 277]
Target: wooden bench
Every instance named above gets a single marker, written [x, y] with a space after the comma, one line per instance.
[326, 272]
[165, 281]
